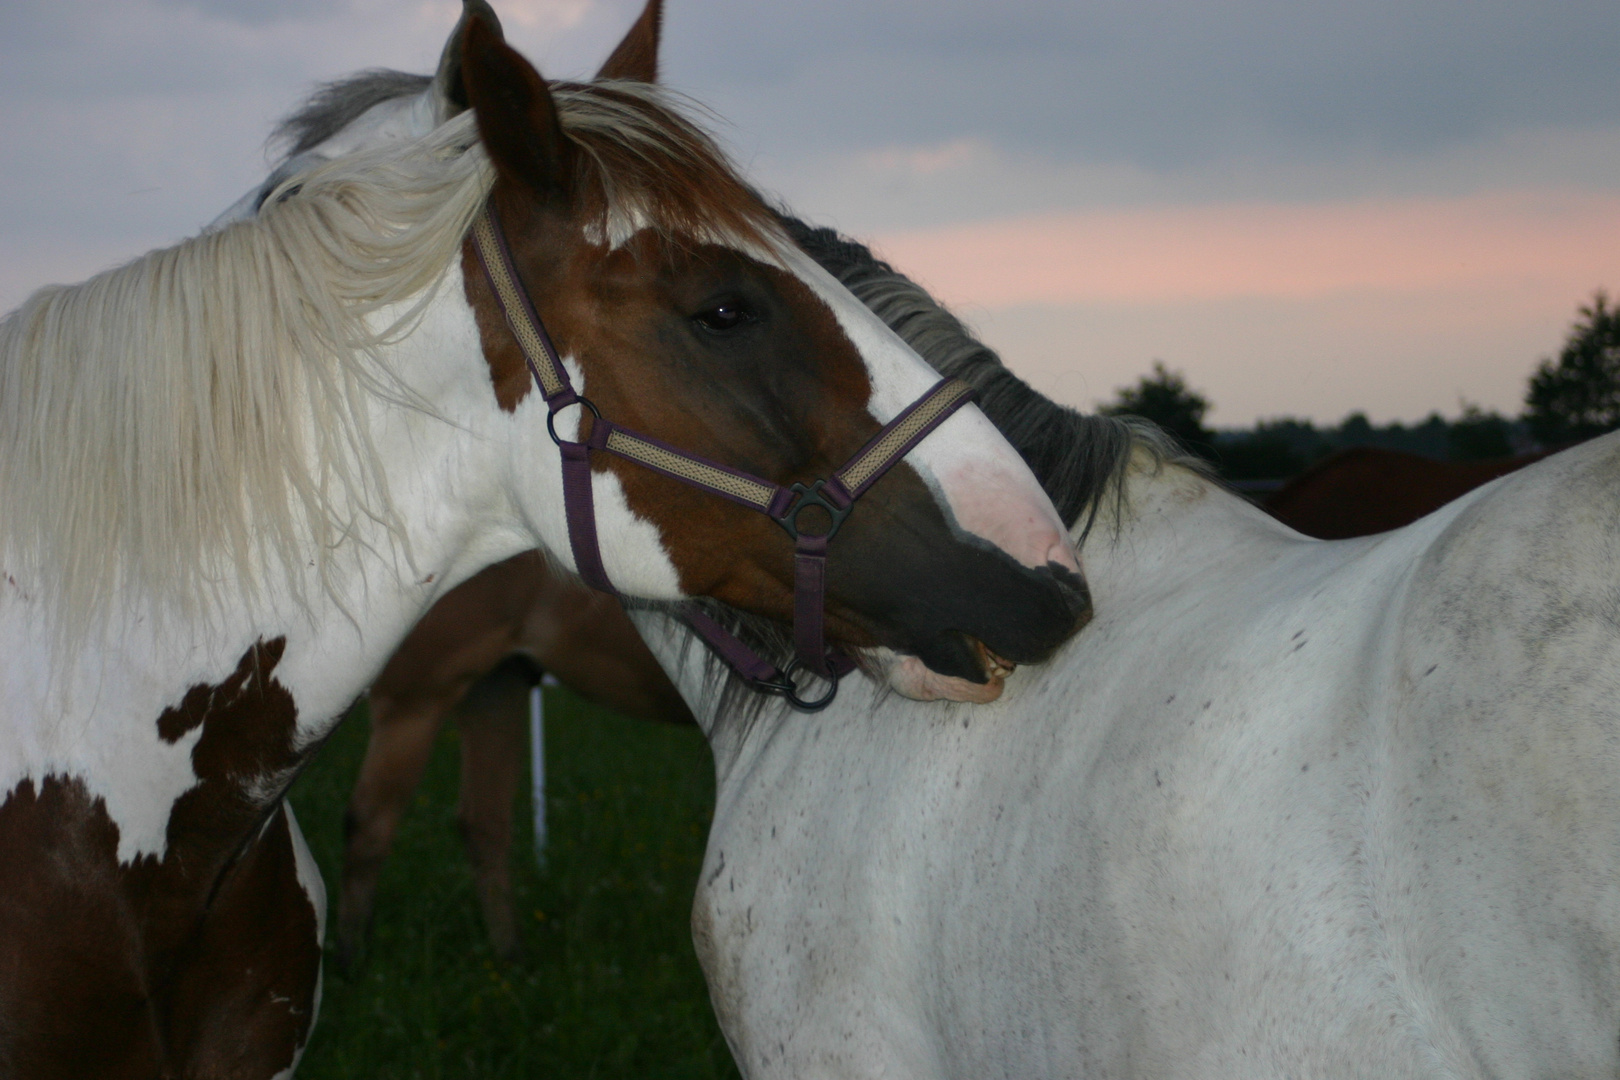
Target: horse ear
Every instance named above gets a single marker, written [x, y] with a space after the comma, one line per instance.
[449, 92]
[517, 119]
[636, 58]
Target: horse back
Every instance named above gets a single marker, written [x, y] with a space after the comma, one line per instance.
[1495, 818]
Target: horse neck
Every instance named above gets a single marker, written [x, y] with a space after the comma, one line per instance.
[1171, 525]
[325, 625]
[446, 458]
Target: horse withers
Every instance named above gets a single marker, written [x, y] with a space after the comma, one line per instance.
[1287, 808]
[237, 471]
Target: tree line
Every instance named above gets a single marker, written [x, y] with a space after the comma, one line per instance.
[1569, 398]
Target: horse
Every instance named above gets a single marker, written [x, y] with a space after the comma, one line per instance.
[474, 654]
[459, 659]
[1368, 489]
[238, 470]
[1285, 807]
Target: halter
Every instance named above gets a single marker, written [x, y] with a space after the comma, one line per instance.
[835, 494]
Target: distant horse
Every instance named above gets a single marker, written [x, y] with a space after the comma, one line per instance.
[237, 471]
[1285, 808]
[453, 660]
[1366, 490]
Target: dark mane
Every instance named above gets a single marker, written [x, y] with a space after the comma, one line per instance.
[337, 104]
[1078, 459]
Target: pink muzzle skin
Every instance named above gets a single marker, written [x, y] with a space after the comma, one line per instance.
[835, 495]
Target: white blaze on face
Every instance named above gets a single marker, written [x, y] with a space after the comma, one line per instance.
[975, 473]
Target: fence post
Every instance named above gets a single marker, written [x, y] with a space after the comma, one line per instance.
[537, 760]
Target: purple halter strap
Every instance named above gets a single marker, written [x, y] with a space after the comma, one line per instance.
[835, 495]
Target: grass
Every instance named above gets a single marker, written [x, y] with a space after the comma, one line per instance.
[608, 986]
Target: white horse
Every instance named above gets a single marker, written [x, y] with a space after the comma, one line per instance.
[1284, 809]
[234, 473]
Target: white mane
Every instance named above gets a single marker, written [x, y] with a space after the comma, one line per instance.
[169, 425]
[184, 421]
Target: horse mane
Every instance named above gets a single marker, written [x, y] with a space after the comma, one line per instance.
[1077, 458]
[335, 105]
[1081, 461]
[642, 156]
[642, 161]
[170, 425]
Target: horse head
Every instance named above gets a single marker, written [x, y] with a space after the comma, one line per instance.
[681, 310]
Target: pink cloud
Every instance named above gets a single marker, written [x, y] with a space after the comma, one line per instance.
[1563, 242]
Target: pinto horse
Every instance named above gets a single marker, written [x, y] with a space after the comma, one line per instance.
[458, 661]
[1286, 808]
[237, 471]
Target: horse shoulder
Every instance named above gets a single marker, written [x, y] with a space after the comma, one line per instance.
[126, 815]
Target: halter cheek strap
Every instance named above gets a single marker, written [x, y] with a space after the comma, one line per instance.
[834, 495]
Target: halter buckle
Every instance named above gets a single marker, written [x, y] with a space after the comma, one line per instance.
[806, 497]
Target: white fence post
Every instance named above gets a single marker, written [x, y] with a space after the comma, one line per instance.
[537, 760]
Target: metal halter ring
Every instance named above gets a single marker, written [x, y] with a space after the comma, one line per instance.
[784, 685]
[551, 417]
[808, 497]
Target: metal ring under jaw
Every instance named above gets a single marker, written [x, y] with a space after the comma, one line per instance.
[551, 417]
[807, 498]
[784, 686]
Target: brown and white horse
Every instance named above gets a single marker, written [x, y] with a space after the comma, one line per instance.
[237, 471]
[454, 662]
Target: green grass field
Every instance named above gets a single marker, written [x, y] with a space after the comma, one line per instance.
[608, 986]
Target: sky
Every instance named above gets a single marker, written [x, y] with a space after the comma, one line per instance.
[1308, 208]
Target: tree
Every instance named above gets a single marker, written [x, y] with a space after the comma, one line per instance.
[1478, 435]
[1164, 398]
[1266, 453]
[1578, 396]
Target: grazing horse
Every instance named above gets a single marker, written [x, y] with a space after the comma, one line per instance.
[237, 471]
[453, 660]
[1286, 808]
[1367, 489]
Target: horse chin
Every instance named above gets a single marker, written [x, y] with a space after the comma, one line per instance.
[911, 678]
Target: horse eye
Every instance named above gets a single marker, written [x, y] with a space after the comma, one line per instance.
[722, 317]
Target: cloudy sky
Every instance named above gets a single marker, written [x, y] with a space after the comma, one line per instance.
[1308, 207]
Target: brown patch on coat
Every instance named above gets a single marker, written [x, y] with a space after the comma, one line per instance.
[201, 963]
[792, 411]
[790, 408]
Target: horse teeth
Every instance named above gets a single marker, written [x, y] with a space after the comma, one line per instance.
[996, 667]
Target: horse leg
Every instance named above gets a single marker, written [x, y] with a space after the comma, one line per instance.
[492, 733]
[402, 734]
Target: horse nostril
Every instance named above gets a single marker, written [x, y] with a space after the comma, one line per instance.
[1062, 554]
[1074, 591]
